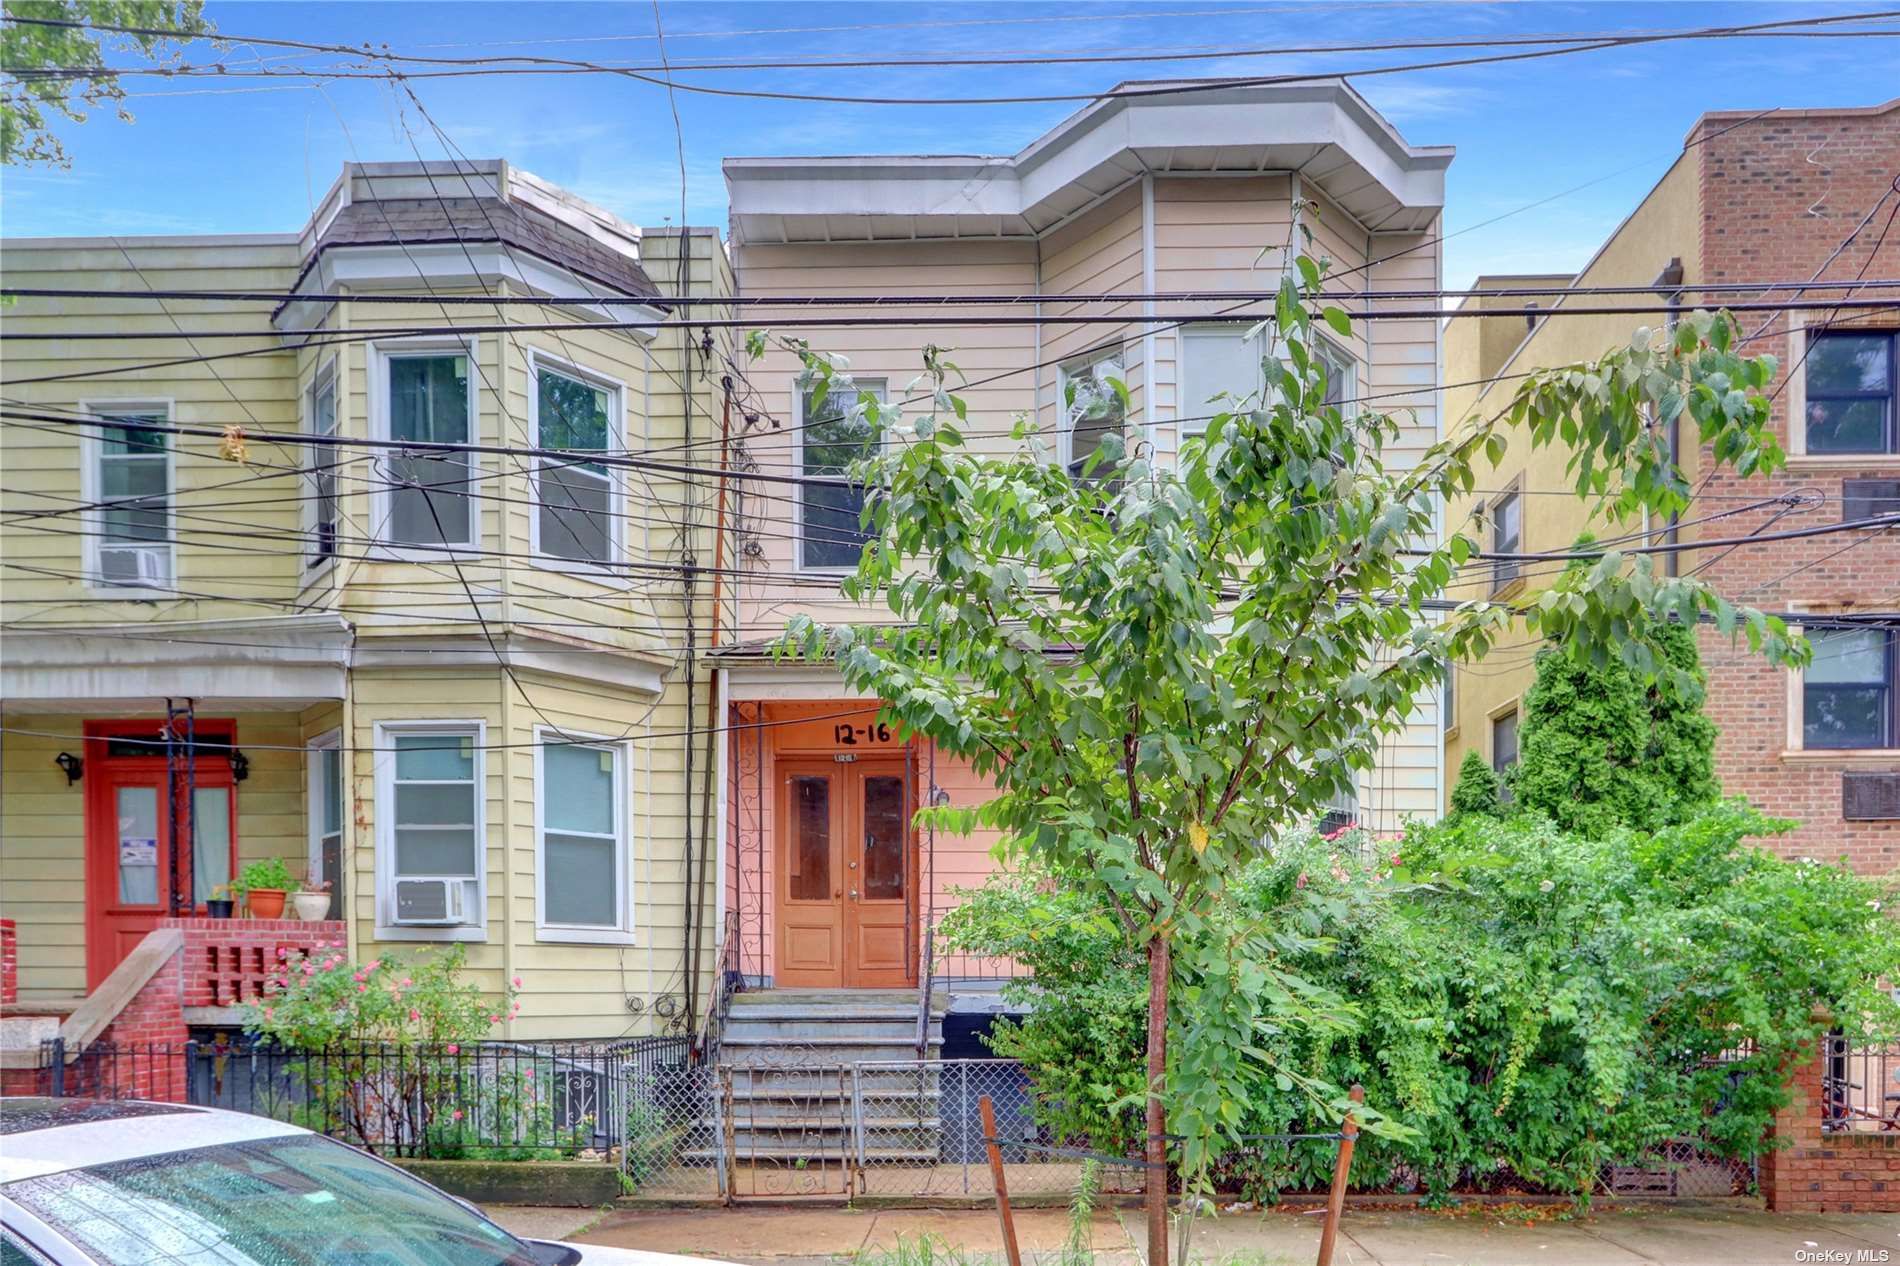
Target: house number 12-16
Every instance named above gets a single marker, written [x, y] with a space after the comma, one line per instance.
[848, 735]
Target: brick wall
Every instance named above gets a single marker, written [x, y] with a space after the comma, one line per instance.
[227, 960]
[1778, 196]
[9, 964]
[222, 963]
[1827, 1173]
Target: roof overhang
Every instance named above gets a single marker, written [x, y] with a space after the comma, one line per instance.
[1324, 130]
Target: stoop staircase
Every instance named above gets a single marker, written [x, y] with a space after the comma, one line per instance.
[821, 1075]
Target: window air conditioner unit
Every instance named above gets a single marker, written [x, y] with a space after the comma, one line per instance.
[430, 902]
[143, 566]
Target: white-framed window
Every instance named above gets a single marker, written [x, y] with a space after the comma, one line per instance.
[431, 831]
[1342, 371]
[1091, 398]
[426, 390]
[320, 419]
[325, 800]
[830, 437]
[582, 863]
[1504, 749]
[1217, 359]
[128, 473]
[577, 520]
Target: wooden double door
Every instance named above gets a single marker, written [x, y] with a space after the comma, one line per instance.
[847, 874]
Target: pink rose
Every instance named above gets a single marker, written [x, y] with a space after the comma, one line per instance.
[373, 964]
[1301, 881]
[309, 970]
[406, 982]
[529, 1074]
[362, 989]
[517, 982]
[360, 977]
[414, 1014]
[267, 1013]
[456, 1115]
[454, 1049]
[494, 1019]
[283, 951]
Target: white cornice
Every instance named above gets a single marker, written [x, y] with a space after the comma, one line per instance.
[448, 265]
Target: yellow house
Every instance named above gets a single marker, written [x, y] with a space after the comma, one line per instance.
[446, 683]
[1761, 208]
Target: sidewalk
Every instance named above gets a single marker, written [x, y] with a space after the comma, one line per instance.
[1712, 1235]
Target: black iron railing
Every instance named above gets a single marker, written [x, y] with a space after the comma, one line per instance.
[1860, 1088]
[492, 1100]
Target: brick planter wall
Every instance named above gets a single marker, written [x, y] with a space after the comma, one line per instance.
[223, 963]
[228, 960]
[9, 964]
[1827, 1173]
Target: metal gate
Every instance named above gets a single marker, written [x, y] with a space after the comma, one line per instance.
[789, 1131]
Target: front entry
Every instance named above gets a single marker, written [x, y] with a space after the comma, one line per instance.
[847, 875]
[136, 854]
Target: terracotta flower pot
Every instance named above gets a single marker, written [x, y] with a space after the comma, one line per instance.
[311, 906]
[266, 903]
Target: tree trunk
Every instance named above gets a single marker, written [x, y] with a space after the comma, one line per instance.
[1157, 1149]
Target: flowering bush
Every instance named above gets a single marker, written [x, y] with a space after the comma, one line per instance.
[400, 1064]
[318, 1001]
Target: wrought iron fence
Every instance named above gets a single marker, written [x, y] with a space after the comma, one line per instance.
[493, 1100]
[1860, 1088]
[679, 1126]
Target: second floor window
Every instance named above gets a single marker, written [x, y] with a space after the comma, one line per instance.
[1848, 698]
[1506, 530]
[132, 474]
[1216, 359]
[429, 401]
[574, 512]
[1093, 408]
[1850, 394]
[323, 459]
[833, 434]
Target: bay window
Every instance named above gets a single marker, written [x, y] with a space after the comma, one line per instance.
[575, 518]
[1093, 406]
[833, 433]
[581, 839]
[430, 829]
[427, 397]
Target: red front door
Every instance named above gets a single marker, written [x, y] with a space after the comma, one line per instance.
[136, 854]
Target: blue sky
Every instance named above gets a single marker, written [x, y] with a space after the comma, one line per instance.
[217, 155]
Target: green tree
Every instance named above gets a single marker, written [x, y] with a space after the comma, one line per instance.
[1477, 790]
[1603, 748]
[63, 68]
[1161, 666]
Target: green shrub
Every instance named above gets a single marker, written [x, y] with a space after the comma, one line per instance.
[1529, 1000]
[1477, 790]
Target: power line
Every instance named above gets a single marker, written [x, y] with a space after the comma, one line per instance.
[1222, 317]
[907, 299]
[521, 64]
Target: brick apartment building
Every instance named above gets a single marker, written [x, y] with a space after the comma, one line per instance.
[1787, 196]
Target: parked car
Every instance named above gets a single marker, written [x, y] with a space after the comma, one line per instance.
[89, 1182]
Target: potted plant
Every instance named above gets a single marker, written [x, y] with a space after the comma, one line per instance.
[312, 899]
[265, 884]
[218, 904]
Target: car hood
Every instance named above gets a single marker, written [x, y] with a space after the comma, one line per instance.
[607, 1255]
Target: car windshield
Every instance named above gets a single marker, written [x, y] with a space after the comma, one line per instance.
[301, 1201]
